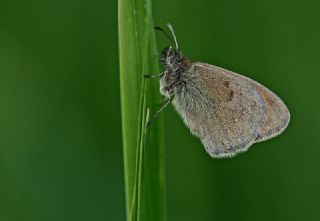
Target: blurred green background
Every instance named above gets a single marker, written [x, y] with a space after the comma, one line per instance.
[60, 130]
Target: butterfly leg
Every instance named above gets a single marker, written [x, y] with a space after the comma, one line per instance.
[154, 75]
[163, 106]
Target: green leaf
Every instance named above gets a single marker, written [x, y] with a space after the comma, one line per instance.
[143, 148]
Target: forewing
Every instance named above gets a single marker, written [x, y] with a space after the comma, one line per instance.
[278, 115]
[233, 111]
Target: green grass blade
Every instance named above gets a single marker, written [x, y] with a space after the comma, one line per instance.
[143, 150]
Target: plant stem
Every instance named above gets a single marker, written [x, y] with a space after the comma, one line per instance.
[143, 150]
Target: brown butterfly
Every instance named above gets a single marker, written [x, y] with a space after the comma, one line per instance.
[227, 111]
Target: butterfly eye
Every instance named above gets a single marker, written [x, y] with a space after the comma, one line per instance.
[173, 59]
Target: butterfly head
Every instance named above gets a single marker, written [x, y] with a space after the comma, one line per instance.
[171, 58]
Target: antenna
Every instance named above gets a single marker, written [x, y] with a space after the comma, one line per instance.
[174, 36]
[165, 33]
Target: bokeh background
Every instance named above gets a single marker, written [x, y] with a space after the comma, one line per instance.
[60, 130]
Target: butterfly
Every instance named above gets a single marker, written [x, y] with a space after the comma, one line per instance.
[227, 111]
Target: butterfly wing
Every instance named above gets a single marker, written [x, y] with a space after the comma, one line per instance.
[227, 111]
[277, 118]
